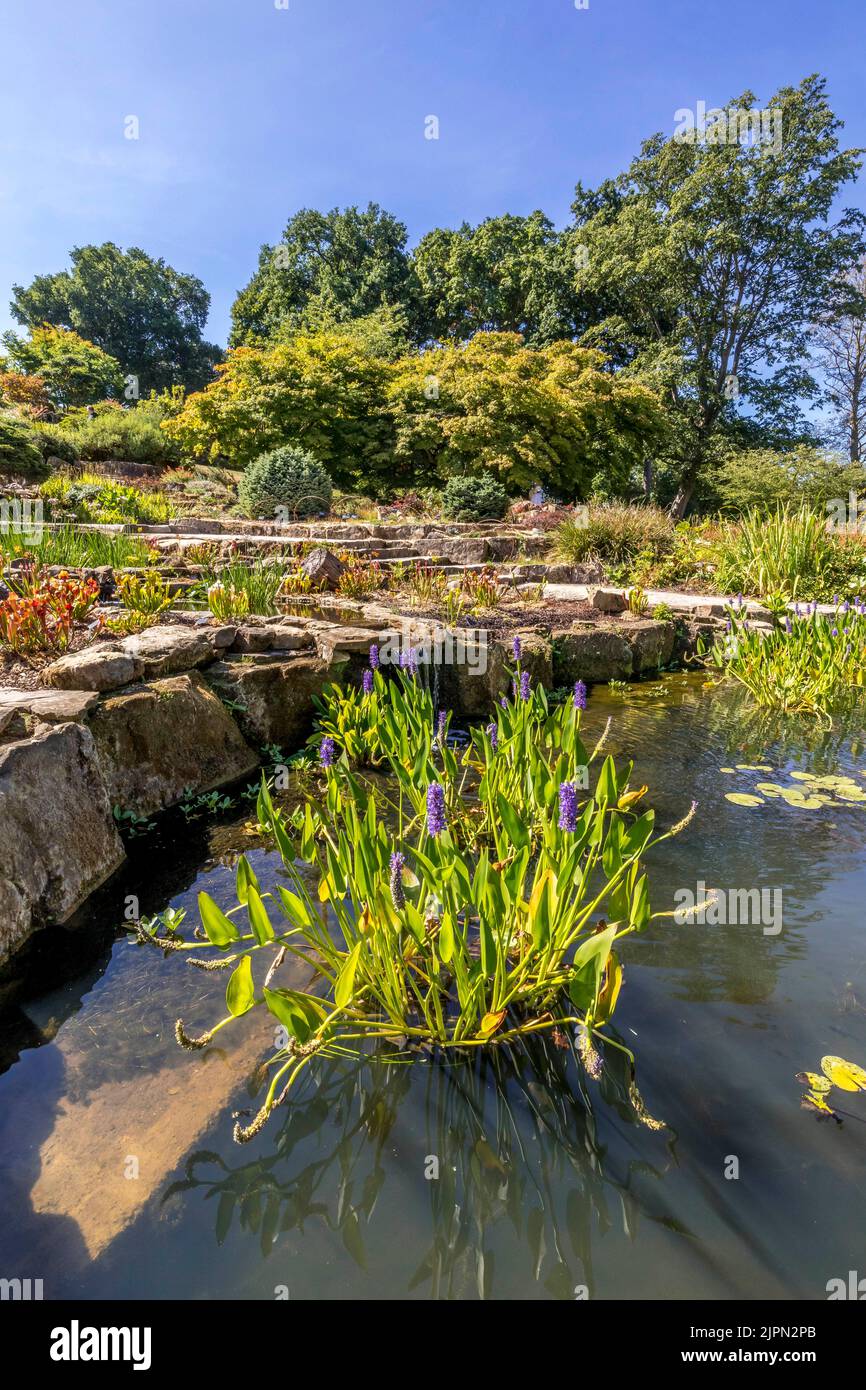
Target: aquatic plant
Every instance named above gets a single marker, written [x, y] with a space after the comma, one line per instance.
[810, 664]
[243, 587]
[437, 918]
[848, 1076]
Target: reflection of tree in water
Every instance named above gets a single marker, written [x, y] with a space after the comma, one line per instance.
[515, 1140]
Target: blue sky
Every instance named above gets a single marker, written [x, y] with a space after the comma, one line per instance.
[248, 112]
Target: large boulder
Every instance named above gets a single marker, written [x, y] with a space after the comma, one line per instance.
[59, 840]
[592, 652]
[168, 648]
[104, 666]
[652, 643]
[156, 742]
[323, 568]
[272, 697]
[49, 706]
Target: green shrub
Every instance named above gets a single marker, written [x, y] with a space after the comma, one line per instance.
[286, 479]
[130, 435]
[55, 442]
[764, 479]
[95, 499]
[480, 498]
[19, 452]
[616, 533]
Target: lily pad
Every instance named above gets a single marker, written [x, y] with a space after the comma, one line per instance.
[770, 788]
[846, 1075]
[744, 799]
[804, 803]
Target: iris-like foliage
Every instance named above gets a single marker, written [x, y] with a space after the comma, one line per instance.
[456, 910]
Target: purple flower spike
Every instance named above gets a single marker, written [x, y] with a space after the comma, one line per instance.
[579, 695]
[327, 751]
[516, 648]
[493, 735]
[503, 700]
[368, 682]
[524, 686]
[435, 809]
[440, 728]
[568, 807]
[374, 658]
[788, 627]
[398, 897]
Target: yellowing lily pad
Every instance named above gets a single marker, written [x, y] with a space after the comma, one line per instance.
[804, 803]
[744, 799]
[733, 769]
[846, 1075]
[804, 776]
[820, 1084]
[770, 788]
[753, 767]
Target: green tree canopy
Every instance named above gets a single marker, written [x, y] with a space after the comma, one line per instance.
[552, 415]
[74, 371]
[320, 391]
[711, 258]
[139, 310]
[509, 274]
[343, 264]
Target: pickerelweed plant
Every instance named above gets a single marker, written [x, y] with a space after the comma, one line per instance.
[809, 663]
[433, 918]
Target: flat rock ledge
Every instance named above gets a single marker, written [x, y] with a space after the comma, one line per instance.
[181, 709]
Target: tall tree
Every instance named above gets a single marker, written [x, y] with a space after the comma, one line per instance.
[137, 309]
[338, 265]
[714, 254]
[509, 274]
[73, 371]
[840, 342]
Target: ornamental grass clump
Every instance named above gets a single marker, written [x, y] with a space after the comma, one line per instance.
[461, 904]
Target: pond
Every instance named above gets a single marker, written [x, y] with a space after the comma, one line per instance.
[511, 1177]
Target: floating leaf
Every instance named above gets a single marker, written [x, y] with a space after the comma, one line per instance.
[804, 776]
[803, 802]
[733, 769]
[819, 1084]
[769, 788]
[846, 1075]
[744, 799]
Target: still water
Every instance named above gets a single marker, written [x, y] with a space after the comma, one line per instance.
[120, 1178]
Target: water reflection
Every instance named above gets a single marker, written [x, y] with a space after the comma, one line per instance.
[508, 1138]
[546, 1184]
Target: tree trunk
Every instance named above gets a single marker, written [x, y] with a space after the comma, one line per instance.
[684, 493]
[647, 480]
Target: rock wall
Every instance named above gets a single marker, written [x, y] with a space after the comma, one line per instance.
[185, 708]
